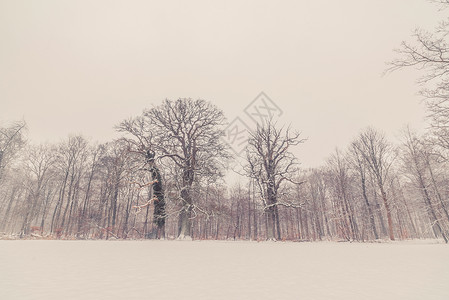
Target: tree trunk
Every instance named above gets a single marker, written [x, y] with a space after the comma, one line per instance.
[159, 204]
[184, 230]
[270, 217]
[57, 210]
[248, 236]
[387, 208]
[12, 198]
[370, 210]
[435, 186]
[431, 210]
[255, 215]
[278, 223]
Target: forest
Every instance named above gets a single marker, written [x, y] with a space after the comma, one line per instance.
[165, 178]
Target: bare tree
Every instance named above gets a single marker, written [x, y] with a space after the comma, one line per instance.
[188, 132]
[378, 155]
[70, 164]
[429, 53]
[96, 154]
[11, 139]
[415, 161]
[141, 141]
[359, 165]
[271, 163]
[38, 166]
[342, 186]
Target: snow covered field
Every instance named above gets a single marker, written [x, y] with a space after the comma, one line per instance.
[222, 270]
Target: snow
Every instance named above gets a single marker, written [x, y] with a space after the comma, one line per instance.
[38, 269]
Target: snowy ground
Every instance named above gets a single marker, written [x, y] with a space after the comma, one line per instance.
[222, 270]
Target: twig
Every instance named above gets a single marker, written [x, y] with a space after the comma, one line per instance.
[140, 207]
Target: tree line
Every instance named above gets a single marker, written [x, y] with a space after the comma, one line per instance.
[164, 179]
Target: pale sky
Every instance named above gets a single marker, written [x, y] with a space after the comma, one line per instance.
[83, 66]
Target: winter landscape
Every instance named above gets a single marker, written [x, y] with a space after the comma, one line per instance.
[224, 149]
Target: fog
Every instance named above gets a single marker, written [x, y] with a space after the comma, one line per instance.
[81, 67]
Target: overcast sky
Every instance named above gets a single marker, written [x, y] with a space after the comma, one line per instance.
[83, 66]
